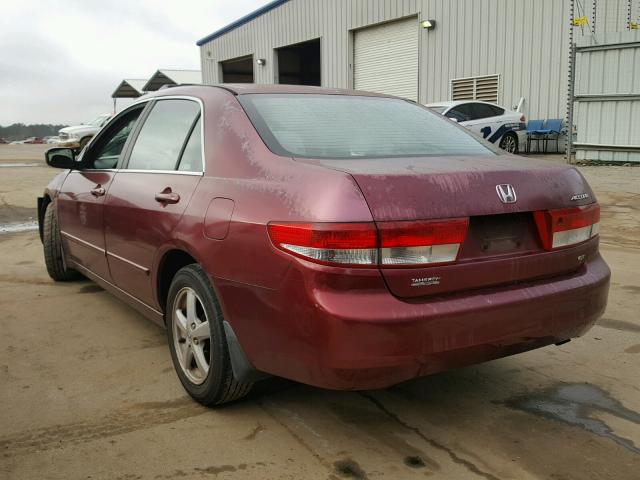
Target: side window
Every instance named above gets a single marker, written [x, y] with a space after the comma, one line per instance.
[462, 113]
[107, 152]
[191, 160]
[497, 111]
[482, 110]
[163, 134]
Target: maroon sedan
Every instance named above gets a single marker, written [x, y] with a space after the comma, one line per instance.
[342, 239]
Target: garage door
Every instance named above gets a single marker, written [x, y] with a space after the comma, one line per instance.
[386, 58]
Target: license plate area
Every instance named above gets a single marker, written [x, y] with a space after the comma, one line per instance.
[493, 235]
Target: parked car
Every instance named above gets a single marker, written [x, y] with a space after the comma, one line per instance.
[78, 136]
[341, 239]
[3, 141]
[506, 128]
[51, 139]
[33, 140]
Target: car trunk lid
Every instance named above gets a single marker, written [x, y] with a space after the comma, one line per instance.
[502, 244]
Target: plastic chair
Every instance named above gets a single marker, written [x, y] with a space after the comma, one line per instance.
[550, 128]
[533, 126]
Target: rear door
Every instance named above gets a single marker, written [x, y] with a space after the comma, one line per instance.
[150, 194]
[81, 198]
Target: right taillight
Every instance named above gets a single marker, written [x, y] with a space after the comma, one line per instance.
[567, 226]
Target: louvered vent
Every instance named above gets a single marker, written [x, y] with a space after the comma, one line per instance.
[476, 88]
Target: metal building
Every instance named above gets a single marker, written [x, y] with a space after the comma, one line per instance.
[498, 50]
[426, 50]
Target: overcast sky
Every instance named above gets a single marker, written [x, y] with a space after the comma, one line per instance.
[60, 60]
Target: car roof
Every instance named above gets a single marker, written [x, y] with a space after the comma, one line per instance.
[454, 103]
[252, 88]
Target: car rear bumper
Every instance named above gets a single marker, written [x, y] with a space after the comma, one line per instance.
[346, 339]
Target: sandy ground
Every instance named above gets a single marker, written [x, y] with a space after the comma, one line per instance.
[88, 390]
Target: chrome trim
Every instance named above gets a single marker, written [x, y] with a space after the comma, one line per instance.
[202, 137]
[171, 172]
[129, 262]
[82, 242]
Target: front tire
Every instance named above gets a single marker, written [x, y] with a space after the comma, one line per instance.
[509, 143]
[197, 340]
[52, 245]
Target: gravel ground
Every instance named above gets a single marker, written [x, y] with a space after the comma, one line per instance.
[88, 389]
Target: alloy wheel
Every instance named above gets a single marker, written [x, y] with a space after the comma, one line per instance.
[191, 335]
[509, 144]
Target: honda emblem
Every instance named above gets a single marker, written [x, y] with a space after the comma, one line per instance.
[506, 193]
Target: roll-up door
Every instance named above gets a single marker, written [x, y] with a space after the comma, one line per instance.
[386, 58]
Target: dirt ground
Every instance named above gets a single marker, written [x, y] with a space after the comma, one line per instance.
[88, 390]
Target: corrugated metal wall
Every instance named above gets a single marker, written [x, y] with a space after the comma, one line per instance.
[607, 84]
[524, 41]
[608, 93]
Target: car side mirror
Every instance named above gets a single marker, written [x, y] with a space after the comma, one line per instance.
[61, 157]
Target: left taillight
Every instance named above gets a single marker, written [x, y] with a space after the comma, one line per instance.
[567, 226]
[328, 243]
[412, 243]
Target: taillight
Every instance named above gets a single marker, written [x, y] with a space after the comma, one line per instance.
[567, 226]
[523, 118]
[341, 243]
[360, 244]
[419, 243]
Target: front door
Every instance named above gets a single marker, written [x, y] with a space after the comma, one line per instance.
[148, 197]
[80, 201]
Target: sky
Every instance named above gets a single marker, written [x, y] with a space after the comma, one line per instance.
[60, 60]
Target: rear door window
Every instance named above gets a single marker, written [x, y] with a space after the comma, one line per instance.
[482, 110]
[462, 113]
[163, 135]
[191, 159]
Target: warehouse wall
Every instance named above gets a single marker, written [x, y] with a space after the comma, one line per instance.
[525, 41]
[607, 119]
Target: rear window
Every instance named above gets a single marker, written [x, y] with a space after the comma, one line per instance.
[341, 126]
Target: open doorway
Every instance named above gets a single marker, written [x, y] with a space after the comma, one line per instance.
[299, 64]
[237, 70]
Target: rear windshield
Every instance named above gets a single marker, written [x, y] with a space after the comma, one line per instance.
[341, 126]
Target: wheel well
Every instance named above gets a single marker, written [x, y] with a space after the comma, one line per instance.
[42, 208]
[172, 261]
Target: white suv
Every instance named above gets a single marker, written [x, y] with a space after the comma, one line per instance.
[496, 124]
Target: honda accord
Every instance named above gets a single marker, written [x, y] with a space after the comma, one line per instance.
[342, 239]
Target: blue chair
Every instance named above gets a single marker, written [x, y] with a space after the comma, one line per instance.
[551, 131]
[533, 127]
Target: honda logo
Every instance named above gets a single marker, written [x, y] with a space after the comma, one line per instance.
[506, 193]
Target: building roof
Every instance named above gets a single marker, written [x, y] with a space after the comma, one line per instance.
[172, 77]
[130, 88]
[246, 19]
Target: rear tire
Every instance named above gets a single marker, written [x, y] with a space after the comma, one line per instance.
[197, 340]
[52, 245]
[509, 142]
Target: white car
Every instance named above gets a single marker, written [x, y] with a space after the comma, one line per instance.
[494, 123]
[79, 135]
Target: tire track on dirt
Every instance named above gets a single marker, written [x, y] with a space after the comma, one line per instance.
[138, 417]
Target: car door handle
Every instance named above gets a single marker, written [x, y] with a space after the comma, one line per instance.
[167, 196]
[98, 191]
